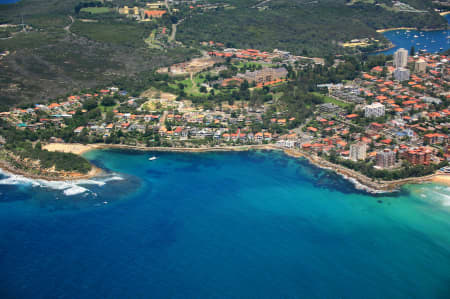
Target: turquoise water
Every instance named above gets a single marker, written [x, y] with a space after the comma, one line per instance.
[429, 41]
[220, 225]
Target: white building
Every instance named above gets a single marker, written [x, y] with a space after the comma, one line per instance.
[401, 58]
[401, 74]
[374, 110]
[358, 151]
[420, 66]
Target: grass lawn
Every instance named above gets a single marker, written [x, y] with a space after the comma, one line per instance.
[328, 99]
[96, 10]
[107, 108]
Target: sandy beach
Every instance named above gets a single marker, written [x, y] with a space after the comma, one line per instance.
[443, 179]
[396, 28]
[74, 148]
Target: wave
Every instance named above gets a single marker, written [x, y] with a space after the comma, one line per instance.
[363, 187]
[69, 188]
[441, 195]
[436, 193]
[358, 185]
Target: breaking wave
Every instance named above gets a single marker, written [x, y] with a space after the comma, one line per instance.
[68, 188]
[436, 193]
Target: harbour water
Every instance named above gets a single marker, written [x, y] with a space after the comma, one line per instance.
[8, 1]
[429, 41]
[220, 225]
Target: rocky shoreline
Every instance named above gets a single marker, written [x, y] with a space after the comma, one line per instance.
[361, 181]
[370, 185]
[95, 172]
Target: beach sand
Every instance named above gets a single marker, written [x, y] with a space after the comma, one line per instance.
[443, 179]
[74, 148]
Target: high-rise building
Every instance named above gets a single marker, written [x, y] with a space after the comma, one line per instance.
[401, 74]
[420, 66]
[374, 110]
[358, 151]
[418, 156]
[386, 158]
[401, 58]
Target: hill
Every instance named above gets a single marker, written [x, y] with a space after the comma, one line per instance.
[303, 26]
[58, 51]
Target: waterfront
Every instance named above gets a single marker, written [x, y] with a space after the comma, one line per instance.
[430, 41]
[237, 224]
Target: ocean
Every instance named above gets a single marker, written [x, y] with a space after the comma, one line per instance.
[252, 224]
[429, 41]
[8, 1]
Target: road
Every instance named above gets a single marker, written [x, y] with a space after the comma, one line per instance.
[166, 2]
[67, 28]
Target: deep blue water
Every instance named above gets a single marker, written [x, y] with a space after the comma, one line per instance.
[220, 225]
[8, 1]
[430, 41]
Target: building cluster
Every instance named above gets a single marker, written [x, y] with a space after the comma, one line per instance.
[266, 75]
[276, 56]
[175, 122]
[393, 121]
[151, 11]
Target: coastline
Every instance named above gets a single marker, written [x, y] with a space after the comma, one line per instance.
[370, 185]
[94, 172]
[396, 28]
[362, 181]
[409, 28]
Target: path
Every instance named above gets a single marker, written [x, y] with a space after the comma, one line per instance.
[162, 120]
[166, 2]
[173, 33]
[67, 28]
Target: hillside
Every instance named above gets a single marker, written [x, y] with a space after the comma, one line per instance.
[59, 52]
[302, 26]
[64, 46]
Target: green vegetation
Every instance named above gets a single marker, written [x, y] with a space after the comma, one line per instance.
[54, 57]
[308, 29]
[19, 142]
[406, 171]
[327, 99]
[95, 10]
[115, 33]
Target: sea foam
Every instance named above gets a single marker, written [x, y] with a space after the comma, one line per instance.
[69, 188]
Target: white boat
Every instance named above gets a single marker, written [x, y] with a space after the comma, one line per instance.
[152, 158]
[415, 36]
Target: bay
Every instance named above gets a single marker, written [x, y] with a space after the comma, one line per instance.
[220, 225]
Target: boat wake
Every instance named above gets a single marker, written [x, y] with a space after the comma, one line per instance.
[68, 188]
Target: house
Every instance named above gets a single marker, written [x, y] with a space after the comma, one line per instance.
[435, 138]
[154, 14]
[78, 130]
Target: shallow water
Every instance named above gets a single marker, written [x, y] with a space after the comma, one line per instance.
[221, 225]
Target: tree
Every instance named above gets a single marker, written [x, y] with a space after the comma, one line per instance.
[108, 101]
[90, 104]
